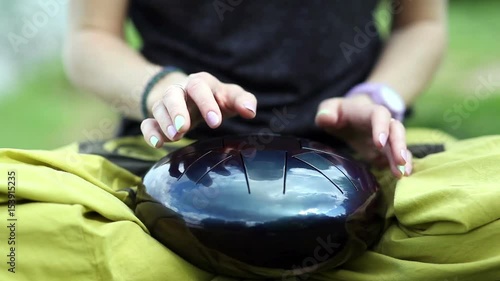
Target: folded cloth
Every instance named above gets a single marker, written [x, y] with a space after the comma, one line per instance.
[71, 219]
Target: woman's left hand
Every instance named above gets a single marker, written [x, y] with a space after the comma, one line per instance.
[369, 129]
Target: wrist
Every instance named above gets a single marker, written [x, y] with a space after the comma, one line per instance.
[381, 94]
[152, 91]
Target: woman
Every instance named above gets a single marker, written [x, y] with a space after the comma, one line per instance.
[316, 70]
[306, 63]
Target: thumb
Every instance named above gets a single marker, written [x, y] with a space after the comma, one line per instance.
[329, 112]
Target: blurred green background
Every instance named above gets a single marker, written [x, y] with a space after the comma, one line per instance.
[39, 109]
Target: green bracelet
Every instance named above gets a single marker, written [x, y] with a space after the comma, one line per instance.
[152, 82]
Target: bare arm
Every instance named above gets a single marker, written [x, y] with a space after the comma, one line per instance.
[98, 59]
[408, 61]
[415, 48]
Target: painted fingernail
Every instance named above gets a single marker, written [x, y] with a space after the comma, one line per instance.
[212, 119]
[401, 168]
[154, 141]
[404, 154]
[249, 106]
[323, 112]
[178, 122]
[382, 138]
[408, 169]
[171, 132]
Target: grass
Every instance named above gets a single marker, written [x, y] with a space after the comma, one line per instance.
[472, 57]
[45, 112]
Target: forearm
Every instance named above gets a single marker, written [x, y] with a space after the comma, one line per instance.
[410, 58]
[98, 59]
[105, 65]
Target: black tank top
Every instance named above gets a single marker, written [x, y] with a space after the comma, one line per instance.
[291, 54]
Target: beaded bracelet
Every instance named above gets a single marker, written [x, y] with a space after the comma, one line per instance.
[151, 83]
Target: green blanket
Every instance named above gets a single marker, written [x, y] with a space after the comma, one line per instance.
[71, 221]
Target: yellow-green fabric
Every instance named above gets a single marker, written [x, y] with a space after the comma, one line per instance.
[73, 223]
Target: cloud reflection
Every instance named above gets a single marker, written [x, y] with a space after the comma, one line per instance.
[308, 192]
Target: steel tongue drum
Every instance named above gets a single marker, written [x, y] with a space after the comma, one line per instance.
[236, 204]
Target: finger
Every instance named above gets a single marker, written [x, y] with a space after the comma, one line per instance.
[397, 139]
[381, 119]
[201, 90]
[395, 169]
[164, 121]
[152, 133]
[212, 82]
[329, 112]
[238, 101]
[174, 101]
[409, 164]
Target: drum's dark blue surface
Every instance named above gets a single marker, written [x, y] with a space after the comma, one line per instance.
[271, 202]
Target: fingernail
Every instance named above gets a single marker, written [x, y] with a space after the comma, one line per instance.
[401, 168]
[212, 119]
[404, 154]
[249, 106]
[171, 132]
[382, 138]
[179, 122]
[409, 169]
[323, 112]
[154, 141]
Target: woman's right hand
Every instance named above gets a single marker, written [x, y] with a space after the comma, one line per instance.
[178, 106]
